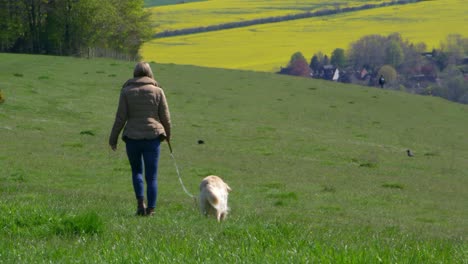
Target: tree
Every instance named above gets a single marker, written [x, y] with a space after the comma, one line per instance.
[374, 51]
[389, 73]
[298, 65]
[453, 84]
[12, 23]
[394, 54]
[73, 27]
[315, 64]
[441, 59]
[325, 60]
[456, 47]
[338, 57]
[70, 26]
[134, 27]
[368, 52]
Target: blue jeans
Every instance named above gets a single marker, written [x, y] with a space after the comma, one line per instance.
[144, 153]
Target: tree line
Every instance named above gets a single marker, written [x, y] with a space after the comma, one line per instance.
[90, 28]
[405, 66]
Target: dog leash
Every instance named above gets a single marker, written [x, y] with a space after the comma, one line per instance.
[178, 173]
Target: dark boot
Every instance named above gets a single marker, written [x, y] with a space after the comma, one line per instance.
[149, 211]
[141, 207]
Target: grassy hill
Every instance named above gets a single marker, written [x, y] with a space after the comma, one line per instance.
[318, 169]
[269, 47]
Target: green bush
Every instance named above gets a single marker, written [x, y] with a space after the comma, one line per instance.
[389, 73]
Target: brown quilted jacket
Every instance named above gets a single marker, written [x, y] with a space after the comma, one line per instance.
[142, 110]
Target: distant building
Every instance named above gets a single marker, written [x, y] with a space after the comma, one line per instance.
[428, 54]
[329, 72]
[336, 75]
[363, 74]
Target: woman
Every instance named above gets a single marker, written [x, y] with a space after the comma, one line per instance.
[144, 113]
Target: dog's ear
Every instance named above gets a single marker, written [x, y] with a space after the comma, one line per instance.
[227, 187]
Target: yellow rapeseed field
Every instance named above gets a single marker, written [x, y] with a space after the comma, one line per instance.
[213, 12]
[270, 46]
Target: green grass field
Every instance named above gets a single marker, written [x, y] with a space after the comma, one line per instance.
[318, 169]
[268, 47]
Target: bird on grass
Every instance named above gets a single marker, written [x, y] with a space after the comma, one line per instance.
[409, 153]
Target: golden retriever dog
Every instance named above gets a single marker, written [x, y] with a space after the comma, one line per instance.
[214, 197]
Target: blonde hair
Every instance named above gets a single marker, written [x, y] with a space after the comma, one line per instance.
[143, 69]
